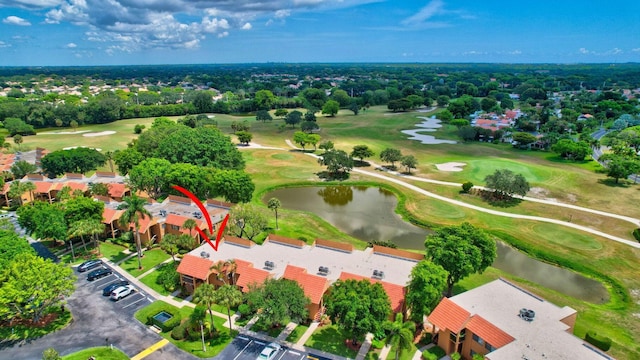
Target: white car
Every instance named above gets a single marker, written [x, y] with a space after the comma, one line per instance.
[121, 292]
[269, 352]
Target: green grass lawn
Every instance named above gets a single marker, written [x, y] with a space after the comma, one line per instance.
[150, 281]
[297, 333]
[330, 339]
[99, 353]
[150, 259]
[262, 328]
[112, 251]
[407, 354]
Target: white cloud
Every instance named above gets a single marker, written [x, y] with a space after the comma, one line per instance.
[71, 46]
[584, 51]
[4, 44]
[132, 25]
[14, 20]
[433, 8]
[636, 50]
[475, 52]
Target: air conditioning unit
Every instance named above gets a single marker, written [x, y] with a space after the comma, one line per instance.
[204, 254]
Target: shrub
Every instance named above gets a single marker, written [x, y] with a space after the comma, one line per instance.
[600, 341]
[179, 332]
[169, 277]
[243, 309]
[146, 315]
[385, 243]
[466, 187]
[138, 128]
[636, 234]
[426, 355]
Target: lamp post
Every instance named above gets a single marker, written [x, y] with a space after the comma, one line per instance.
[204, 349]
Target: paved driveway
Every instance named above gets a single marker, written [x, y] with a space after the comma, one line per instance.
[98, 321]
[245, 347]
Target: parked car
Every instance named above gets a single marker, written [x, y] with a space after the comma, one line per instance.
[96, 274]
[88, 265]
[121, 292]
[269, 352]
[109, 289]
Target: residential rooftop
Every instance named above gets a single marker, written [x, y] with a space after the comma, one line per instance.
[546, 337]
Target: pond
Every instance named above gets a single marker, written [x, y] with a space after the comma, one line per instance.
[367, 213]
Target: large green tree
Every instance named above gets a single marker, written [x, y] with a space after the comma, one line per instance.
[126, 159]
[78, 160]
[134, 210]
[331, 108]
[10, 246]
[361, 152]
[505, 183]
[620, 167]
[461, 250]
[234, 185]
[264, 99]
[279, 301]
[426, 285]
[150, 176]
[358, 307]
[391, 155]
[31, 286]
[21, 168]
[293, 118]
[336, 161]
[247, 219]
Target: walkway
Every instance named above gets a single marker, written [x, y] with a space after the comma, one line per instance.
[407, 185]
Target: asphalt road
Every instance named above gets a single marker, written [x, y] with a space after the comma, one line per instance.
[245, 347]
[97, 321]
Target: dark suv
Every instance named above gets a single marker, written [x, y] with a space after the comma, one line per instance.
[96, 274]
[107, 291]
[88, 265]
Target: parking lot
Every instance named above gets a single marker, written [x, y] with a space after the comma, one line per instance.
[245, 347]
[126, 306]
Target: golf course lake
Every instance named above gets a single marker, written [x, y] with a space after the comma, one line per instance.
[368, 213]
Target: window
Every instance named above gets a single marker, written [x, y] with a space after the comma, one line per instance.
[187, 278]
[453, 337]
[478, 339]
[175, 227]
[489, 347]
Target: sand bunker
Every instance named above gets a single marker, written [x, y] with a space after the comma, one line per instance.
[102, 133]
[450, 166]
[63, 132]
[75, 147]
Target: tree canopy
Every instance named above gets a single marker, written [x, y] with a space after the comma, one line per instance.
[78, 160]
[358, 307]
[426, 285]
[505, 183]
[461, 251]
[280, 301]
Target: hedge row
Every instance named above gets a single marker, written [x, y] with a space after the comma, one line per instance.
[601, 342]
[636, 234]
[145, 315]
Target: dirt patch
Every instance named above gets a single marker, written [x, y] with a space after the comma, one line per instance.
[451, 166]
[102, 133]
[63, 132]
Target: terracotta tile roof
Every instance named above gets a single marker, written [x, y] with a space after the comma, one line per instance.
[285, 241]
[117, 190]
[43, 187]
[179, 199]
[238, 241]
[110, 215]
[448, 315]
[77, 186]
[383, 250]
[314, 286]
[395, 292]
[335, 245]
[73, 176]
[105, 174]
[488, 332]
[249, 275]
[143, 224]
[195, 267]
[217, 203]
[177, 220]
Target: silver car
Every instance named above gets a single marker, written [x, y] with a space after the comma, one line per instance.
[269, 352]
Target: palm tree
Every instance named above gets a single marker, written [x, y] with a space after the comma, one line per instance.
[220, 268]
[78, 229]
[109, 156]
[134, 210]
[274, 204]
[205, 295]
[16, 189]
[170, 244]
[190, 224]
[228, 296]
[400, 334]
[95, 227]
[231, 269]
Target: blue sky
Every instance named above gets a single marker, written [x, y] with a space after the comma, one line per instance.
[115, 32]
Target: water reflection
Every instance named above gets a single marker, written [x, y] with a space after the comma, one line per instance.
[367, 213]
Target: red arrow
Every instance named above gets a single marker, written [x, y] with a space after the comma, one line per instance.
[203, 235]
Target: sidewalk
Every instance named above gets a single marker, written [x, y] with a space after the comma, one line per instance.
[366, 345]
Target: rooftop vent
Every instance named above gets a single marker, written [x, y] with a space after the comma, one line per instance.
[204, 254]
[163, 213]
[378, 274]
[197, 214]
[527, 314]
[269, 265]
[323, 270]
